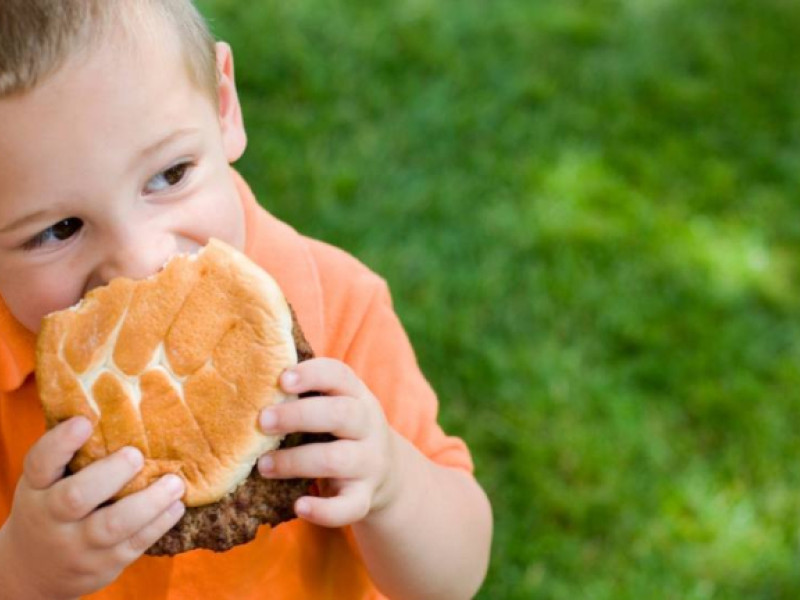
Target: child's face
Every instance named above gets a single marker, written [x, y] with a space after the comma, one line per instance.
[108, 168]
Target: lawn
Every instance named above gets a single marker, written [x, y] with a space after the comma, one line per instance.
[588, 214]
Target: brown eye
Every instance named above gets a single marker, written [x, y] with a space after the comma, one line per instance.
[59, 232]
[174, 175]
[66, 229]
[168, 178]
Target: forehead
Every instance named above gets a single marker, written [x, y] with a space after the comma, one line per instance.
[105, 103]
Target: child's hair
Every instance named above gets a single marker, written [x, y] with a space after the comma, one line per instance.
[38, 36]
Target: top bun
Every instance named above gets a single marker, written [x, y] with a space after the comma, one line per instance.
[178, 365]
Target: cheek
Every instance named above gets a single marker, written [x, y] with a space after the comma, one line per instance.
[32, 299]
[222, 216]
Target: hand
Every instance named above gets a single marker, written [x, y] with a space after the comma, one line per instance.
[57, 540]
[357, 467]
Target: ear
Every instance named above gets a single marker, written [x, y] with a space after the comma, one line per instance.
[234, 138]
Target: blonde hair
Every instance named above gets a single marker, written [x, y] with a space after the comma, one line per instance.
[38, 36]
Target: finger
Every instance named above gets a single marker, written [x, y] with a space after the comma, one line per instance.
[351, 505]
[122, 520]
[49, 456]
[343, 416]
[76, 496]
[133, 547]
[336, 460]
[323, 375]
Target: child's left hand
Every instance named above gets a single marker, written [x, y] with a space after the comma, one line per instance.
[358, 466]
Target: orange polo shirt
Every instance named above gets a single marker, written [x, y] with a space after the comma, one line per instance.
[346, 313]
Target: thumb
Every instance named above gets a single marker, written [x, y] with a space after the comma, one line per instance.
[47, 458]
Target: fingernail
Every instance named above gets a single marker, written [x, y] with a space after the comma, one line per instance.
[289, 379]
[80, 427]
[302, 507]
[266, 464]
[133, 456]
[268, 419]
[176, 509]
[172, 483]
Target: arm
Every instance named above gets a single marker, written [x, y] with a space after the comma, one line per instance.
[432, 540]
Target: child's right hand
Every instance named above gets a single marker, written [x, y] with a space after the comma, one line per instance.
[56, 542]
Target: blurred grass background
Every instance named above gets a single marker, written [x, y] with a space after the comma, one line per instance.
[587, 212]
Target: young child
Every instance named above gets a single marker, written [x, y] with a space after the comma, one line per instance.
[118, 123]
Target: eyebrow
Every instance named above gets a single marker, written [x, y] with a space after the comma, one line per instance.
[162, 143]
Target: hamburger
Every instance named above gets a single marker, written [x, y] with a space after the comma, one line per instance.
[179, 365]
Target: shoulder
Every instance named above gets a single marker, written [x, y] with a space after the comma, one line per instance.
[350, 293]
[333, 293]
[275, 243]
[342, 273]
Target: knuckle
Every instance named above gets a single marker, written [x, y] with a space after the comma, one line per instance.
[366, 417]
[113, 527]
[79, 568]
[335, 368]
[326, 362]
[138, 543]
[297, 414]
[94, 537]
[123, 554]
[70, 501]
[337, 458]
[342, 411]
[35, 466]
[371, 462]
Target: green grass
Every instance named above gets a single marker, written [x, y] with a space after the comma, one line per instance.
[587, 211]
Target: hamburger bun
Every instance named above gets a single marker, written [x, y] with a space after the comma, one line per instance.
[178, 365]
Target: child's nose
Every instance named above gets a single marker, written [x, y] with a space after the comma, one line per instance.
[135, 257]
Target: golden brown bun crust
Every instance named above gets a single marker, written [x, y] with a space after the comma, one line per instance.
[178, 365]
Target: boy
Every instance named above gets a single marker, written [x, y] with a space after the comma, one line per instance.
[118, 121]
